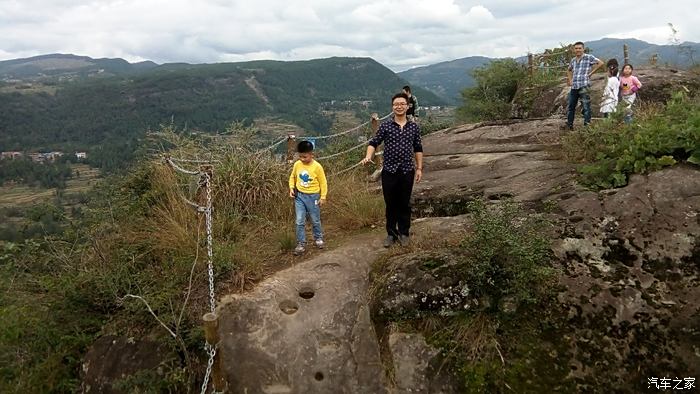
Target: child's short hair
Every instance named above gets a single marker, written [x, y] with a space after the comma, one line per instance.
[628, 64]
[305, 147]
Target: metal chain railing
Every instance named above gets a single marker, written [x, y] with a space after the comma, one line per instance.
[380, 153]
[343, 152]
[355, 165]
[273, 146]
[210, 364]
[211, 349]
[204, 182]
[210, 246]
[170, 161]
[321, 137]
[194, 161]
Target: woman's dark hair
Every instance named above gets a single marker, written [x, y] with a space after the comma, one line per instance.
[305, 147]
[399, 95]
[612, 66]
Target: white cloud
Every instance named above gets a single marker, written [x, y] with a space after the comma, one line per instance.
[398, 33]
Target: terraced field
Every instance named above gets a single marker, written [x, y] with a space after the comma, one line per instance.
[22, 196]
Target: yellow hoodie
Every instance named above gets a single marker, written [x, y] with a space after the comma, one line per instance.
[308, 178]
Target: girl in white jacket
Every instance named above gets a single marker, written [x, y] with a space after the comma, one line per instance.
[612, 89]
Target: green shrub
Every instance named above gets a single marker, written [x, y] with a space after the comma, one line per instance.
[610, 151]
[508, 254]
[43, 330]
[496, 85]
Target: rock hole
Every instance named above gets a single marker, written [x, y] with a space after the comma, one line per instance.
[289, 307]
[566, 196]
[306, 293]
[575, 219]
[318, 376]
[499, 196]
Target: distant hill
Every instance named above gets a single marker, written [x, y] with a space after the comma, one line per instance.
[683, 55]
[448, 79]
[116, 110]
[62, 66]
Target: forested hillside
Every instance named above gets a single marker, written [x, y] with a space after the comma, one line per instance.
[447, 79]
[65, 66]
[114, 112]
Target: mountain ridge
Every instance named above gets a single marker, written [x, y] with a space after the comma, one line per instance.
[448, 79]
[71, 111]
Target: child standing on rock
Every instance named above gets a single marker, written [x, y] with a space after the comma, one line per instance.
[611, 91]
[629, 85]
[308, 188]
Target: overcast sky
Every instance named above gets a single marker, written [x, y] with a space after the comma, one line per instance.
[400, 34]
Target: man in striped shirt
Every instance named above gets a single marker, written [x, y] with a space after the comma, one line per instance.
[579, 74]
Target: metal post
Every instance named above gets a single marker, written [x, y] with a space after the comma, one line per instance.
[291, 145]
[211, 334]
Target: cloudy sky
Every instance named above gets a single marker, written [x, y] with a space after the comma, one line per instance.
[400, 34]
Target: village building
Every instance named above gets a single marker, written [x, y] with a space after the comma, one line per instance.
[11, 155]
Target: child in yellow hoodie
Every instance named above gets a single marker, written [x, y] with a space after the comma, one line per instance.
[308, 188]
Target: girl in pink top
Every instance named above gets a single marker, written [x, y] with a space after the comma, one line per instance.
[629, 84]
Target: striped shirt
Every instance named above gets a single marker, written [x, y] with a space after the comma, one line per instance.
[580, 70]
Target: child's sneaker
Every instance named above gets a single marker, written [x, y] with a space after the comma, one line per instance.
[320, 244]
[299, 249]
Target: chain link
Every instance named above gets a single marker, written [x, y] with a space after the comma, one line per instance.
[194, 161]
[210, 252]
[358, 146]
[206, 180]
[212, 353]
[178, 168]
[273, 146]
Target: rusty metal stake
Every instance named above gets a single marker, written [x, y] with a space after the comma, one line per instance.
[291, 147]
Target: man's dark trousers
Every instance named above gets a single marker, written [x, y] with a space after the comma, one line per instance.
[584, 95]
[397, 190]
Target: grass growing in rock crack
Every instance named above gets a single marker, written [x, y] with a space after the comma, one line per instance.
[504, 261]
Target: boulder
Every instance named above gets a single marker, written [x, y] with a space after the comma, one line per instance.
[305, 330]
[659, 84]
[113, 360]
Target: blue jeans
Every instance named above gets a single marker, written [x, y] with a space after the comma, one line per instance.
[307, 204]
[574, 95]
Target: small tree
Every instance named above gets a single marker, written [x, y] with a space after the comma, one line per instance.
[496, 86]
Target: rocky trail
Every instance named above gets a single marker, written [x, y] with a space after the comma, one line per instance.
[629, 261]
